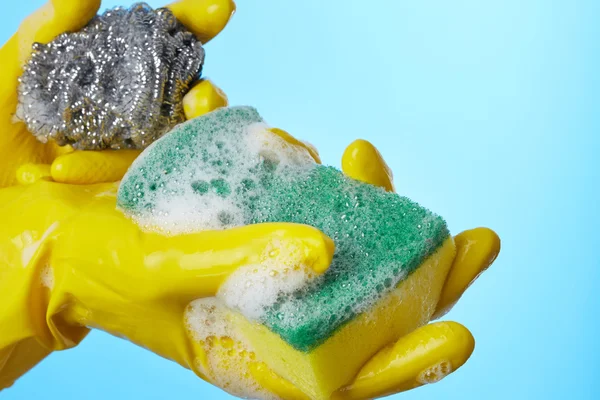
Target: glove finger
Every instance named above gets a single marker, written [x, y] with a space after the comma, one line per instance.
[200, 263]
[295, 142]
[205, 18]
[476, 251]
[424, 356]
[363, 162]
[203, 98]
[91, 167]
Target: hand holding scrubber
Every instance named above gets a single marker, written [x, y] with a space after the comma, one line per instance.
[392, 257]
[72, 79]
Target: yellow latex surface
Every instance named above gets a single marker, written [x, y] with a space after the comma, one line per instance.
[203, 98]
[206, 18]
[87, 167]
[478, 248]
[363, 162]
[69, 261]
[422, 357]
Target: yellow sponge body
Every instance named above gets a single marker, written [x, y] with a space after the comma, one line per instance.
[334, 363]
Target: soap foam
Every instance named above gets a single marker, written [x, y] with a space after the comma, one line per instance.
[47, 277]
[253, 288]
[435, 373]
[227, 354]
[250, 290]
[208, 187]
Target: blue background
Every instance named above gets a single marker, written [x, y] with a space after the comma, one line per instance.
[488, 113]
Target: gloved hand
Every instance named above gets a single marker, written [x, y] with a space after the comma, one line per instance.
[20, 150]
[71, 261]
[424, 356]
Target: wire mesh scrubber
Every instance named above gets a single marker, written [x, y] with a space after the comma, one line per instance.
[118, 83]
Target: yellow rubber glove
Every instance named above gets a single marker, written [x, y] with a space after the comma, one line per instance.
[19, 149]
[70, 261]
[42, 319]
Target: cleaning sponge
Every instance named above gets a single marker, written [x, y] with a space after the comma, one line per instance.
[226, 169]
